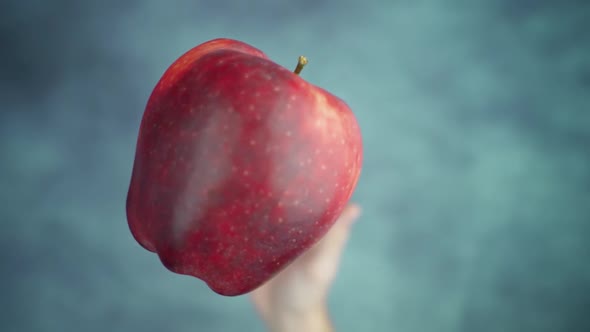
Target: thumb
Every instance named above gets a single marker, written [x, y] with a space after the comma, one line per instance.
[333, 242]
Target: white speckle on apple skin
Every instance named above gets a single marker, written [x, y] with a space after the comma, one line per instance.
[252, 142]
[288, 133]
[276, 89]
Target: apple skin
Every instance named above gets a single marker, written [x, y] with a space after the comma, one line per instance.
[240, 167]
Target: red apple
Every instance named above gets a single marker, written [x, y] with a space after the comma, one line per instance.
[240, 167]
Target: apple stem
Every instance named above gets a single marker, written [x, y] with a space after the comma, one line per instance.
[301, 62]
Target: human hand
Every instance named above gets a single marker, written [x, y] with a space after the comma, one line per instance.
[295, 299]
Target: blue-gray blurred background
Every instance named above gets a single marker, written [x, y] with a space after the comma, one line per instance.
[476, 182]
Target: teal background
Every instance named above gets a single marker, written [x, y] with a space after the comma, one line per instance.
[476, 181]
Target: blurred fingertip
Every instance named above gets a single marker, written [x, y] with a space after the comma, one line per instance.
[352, 212]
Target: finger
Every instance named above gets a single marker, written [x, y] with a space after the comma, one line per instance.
[259, 298]
[349, 215]
[332, 244]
